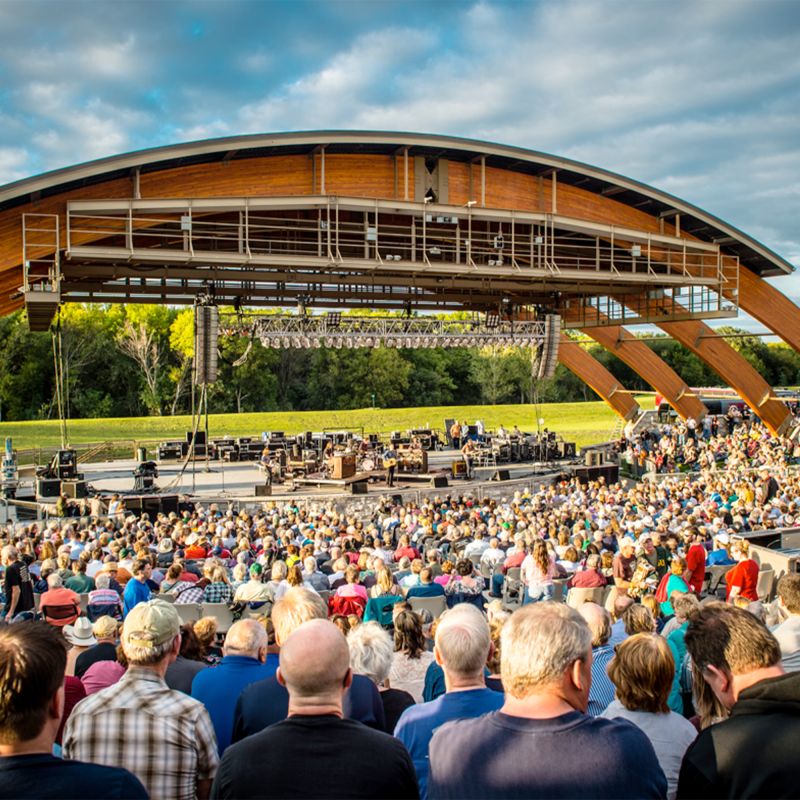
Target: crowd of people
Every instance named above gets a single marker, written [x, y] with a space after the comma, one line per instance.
[648, 681]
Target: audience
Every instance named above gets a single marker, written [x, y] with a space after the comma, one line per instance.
[336, 757]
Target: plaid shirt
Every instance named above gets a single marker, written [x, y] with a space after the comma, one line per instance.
[162, 736]
[218, 593]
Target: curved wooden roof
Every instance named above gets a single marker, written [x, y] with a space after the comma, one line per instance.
[695, 222]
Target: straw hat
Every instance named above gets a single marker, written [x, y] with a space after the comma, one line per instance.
[80, 634]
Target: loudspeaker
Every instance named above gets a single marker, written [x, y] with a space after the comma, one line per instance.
[206, 333]
[48, 487]
[438, 481]
[75, 489]
[397, 499]
[358, 487]
[548, 352]
[262, 490]
[501, 475]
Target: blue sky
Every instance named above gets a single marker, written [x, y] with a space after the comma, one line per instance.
[701, 99]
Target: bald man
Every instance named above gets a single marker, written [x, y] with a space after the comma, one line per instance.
[349, 759]
[245, 660]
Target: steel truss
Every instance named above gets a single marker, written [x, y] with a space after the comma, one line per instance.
[280, 331]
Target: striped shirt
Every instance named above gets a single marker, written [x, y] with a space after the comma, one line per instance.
[602, 691]
[163, 737]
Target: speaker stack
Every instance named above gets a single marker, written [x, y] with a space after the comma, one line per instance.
[548, 355]
[206, 333]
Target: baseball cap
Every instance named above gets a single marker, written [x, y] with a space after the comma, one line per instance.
[151, 624]
[105, 627]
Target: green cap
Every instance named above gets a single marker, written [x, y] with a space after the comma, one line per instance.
[151, 624]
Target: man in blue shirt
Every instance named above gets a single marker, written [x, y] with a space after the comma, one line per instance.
[136, 590]
[542, 744]
[599, 622]
[426, 586]
[462, 647]
[245, 660]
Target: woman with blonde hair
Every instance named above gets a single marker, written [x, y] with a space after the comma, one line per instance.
[743, 578]
[642, 671]
[384, 584]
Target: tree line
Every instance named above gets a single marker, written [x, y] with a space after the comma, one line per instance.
[134, 360]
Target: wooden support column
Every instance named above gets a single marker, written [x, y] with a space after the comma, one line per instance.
[770, 307]
[644, 362]
[594, 374]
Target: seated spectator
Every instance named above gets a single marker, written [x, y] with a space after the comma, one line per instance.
[590, 577]
[352, 586]
[622, 602]
[172, 580]
[245, 660]
[267, 701]
[80, 639]
[411, 659]
[638, 619]
[354, 760]
[753, 753]
[219, 590]
[721, 554]
[686, 607]
[315, 579]
[79, 581]
[254, 591]
[384, 584]
[103, 601]
[405, 549]
[412, 578]
[519, 751]
[166, 738]
[465, 581]
[654, 607]
[371, 652]
[599, 622]
[188, 662]
[59, 606]
[102, 674]
[205, 629]
[105, 631]
[462, 648]
[493, 555]
[642, 672]
[426, 587]
[788, 632]
[32, 661]
[672, 584]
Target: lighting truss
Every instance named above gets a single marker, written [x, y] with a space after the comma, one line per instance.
[278, 331]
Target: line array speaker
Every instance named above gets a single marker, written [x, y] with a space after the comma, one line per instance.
[548, 358]
[206, 333]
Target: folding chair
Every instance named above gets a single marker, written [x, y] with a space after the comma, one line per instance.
[436, 605]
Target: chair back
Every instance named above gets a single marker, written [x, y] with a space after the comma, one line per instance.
[221, 613]
[189, 612]
[96, 610]
[577, 596]
[766, 580]
[436, 605]
[379, 609]
[59, 616]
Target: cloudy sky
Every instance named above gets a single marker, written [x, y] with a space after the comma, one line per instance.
[699, 98]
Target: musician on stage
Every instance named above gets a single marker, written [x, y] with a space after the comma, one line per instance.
[390, 464]
[468, 452]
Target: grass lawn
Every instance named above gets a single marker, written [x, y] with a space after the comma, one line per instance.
[584, 423]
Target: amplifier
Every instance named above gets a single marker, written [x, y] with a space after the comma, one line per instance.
[501, 475]
[438, 481]
[262, 490]
[75, 489]
[358, 487]
[344, 466]
[48, 487]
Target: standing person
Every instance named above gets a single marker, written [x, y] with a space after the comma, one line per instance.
[390, 464]
[753, 753]
[696, 554]
[137, 591]
[462, 648]
[537, 572]
[624, 564]
[163, 736]
[17, 584]
[32, 662]
[349, 759]
[641, 671]
[788, 632]
[519, 751]
[455, 435]
[742, 580]
[244, 661]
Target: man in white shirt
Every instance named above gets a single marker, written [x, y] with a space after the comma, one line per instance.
[493, 554]
[788, 632]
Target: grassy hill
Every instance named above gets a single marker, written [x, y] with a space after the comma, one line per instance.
[583, 423]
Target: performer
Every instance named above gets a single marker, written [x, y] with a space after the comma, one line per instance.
[468, 452]
[390, 464]
[455, 434]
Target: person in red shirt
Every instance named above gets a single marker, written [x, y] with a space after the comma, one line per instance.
[589, 578]
[695, 560]
[194, 548]
[404, 548]
[742, 580]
